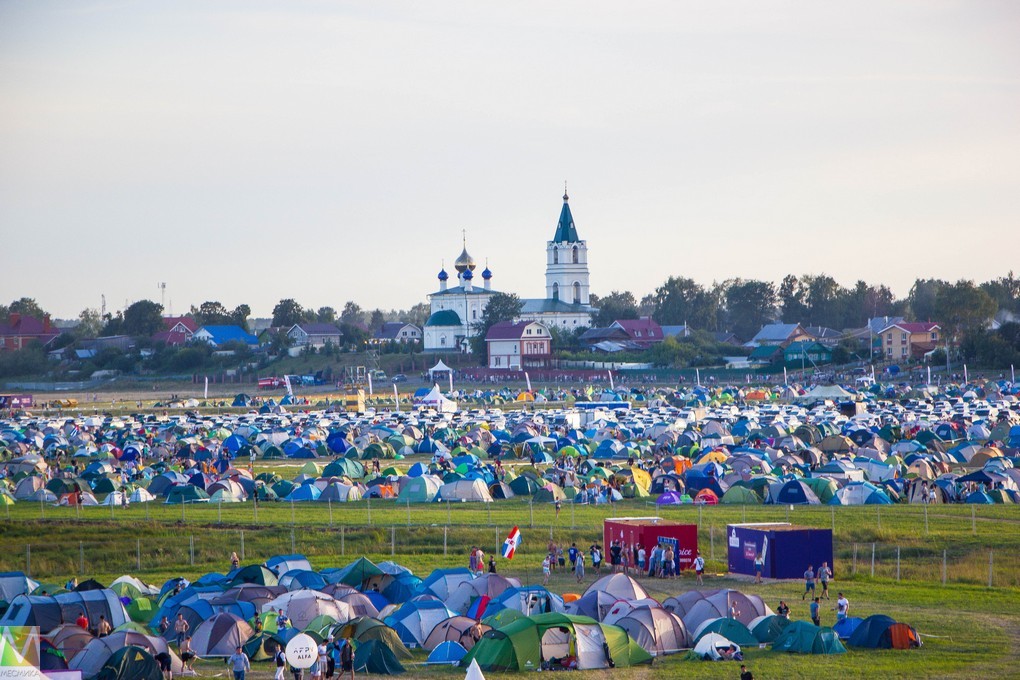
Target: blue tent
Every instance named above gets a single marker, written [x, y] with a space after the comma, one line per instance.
[417, 470]
[234, 442]
[979, 497]
[792, 492]
[305, 492]
[296, 579]
[868, 632]
[448, 652]
[337, 442]
[402, 588]
[846, 627]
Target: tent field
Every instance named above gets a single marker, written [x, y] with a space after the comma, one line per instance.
[975, 629]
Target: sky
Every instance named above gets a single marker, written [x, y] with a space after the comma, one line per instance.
[251, 151]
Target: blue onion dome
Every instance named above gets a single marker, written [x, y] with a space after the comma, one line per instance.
[443, 276]
[486, 274]
[467, 275]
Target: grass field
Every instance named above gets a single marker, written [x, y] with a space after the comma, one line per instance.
[970, 629]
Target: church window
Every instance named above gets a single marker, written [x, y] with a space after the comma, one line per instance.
[575, 256]
[442, 340]
[577, 292]
[556, 291]
[556, 255]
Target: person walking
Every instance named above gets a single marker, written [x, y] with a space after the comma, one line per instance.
[347, 660]
[546, 571]
[579, 566]
[699, 568]
[809, 582]
[572, 554]
[642, 555]
[824, 574]
[187, 655]
[239, 664]
[815, 614]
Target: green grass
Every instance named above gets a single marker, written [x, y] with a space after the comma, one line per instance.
[974, 629]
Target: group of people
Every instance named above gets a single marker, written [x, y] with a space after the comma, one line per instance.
[624, 558]
[477, 564]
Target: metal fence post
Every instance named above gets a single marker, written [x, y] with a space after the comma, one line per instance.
[138, 554]
[219, 512]
[711, 541]
[872, 560]
[28, 559]
[393, 540]
[449, 513]
[531, 511]
[184, 519]
[293, 516]
[293, 542]
[925, 519]
[192, 549]
[242, 544]
[370, 511]
[81, 558]
[943, 567]
[897, 563]
[973, 520]
[445, 530]
[833, 509]
[990, 568]
[343, 540]
[330, 505]
[855, 559]
[878, 516]
[571, 514]
[409, 512]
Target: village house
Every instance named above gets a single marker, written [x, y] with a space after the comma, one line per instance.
[906, 340]
[518, 345]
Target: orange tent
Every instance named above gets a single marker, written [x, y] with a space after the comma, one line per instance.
[707, 497]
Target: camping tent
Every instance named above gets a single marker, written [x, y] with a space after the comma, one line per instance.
[802, 637]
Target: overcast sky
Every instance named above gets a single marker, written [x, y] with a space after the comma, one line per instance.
[332, 151]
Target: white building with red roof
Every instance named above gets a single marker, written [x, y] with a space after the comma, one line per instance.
[518, 345]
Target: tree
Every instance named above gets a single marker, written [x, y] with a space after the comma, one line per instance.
[325, 315]
[792, 305]
[417, 315]
[239, 317]
[90, 323]
[501, 307]
[613, 307]
[922, 298]
[24, 306]
[963, 308]
[750, 305]
[211, 314]
[377, 320]
[143, 318]
[353, 314]
[287, 312]
[824, 298]
[682, 300]
[1005, 290]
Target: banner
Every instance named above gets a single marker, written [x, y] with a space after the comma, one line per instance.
[510, 544]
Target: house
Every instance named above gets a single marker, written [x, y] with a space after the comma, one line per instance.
[19, 331]
[397, 331]
[779, 335]
[177, 331]
[643, 332]
[676, 331]
[829, 337]
[807, 353]
[608, 339]
[765, 355]
[218, 336]
[518, 345]
[314, 335]
[907, 340]
[725, 338]
[123, 343]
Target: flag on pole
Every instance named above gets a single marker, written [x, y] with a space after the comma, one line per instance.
[510, 544]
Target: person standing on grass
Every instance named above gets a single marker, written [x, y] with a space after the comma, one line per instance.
[809, 581]
[239, 664]
[572, 554]
[546, 571]
[347, 660]
[235, 561]
[187, 656]
[492, 564]
[641, 558]
[815, 613]
[759, 567]
[699, 568]
[579, 566]
[480, 562]
[824, 574]
[559, 506]
[842, 607]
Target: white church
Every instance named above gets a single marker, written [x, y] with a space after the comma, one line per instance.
[456, 309]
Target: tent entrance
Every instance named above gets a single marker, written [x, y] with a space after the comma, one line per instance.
[591, 646]
[555, 643]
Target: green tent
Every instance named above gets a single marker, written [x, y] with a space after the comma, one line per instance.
[344, 467]
[365, 628]
[524, 643]
[549, 494]
[824, 487]
[502, 617]
[801, 637]
[524, 485]
[740, 495]
[186, 493]
[731, 629]
[768, 628]
[141, 610]
[130, 663]
[375, 657]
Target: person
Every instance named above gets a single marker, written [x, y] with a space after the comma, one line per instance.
[347, 659]
[809, 581]
[745, 674]
[165, 665]
[560, 561]
[492, 564]
[699, 568]
[475, 632]
[783, 609]
[669, 563]
[187, 655]
[572, 554]
[164, 625]
[842, 607]
[83, 621]
[815, 616]
[480, 562]
[616, 556]
[281, 663]
[546, 571]
[104, 628]
[596, 559]
[73, 583]
[235, 561]
[642, 555]
[759, 566]
[319, 668]
[579, 566]
[734, 611]
[281, 620]
[559, 506]
[824, 574]
[473, 559]
[258, 625]
[239, 663]
[181, 628]
[330, 661]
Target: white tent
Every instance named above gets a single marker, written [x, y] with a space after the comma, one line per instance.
[436, 400]
[440, 367]
[711, 646]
